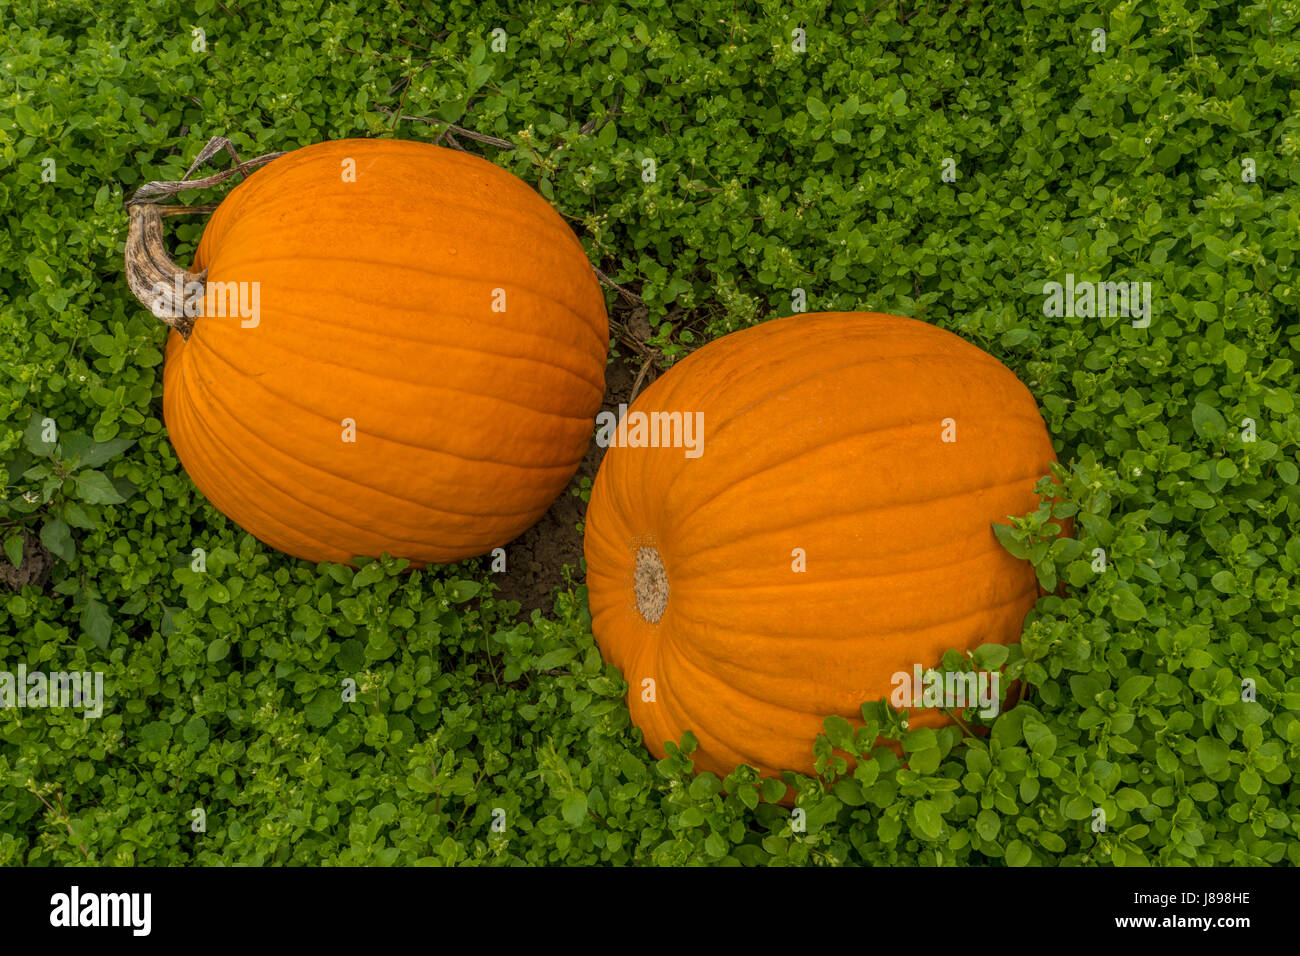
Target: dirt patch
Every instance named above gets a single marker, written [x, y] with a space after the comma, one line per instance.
[37, 563]
[537, 559]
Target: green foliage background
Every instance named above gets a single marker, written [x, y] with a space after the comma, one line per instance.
[775, 169]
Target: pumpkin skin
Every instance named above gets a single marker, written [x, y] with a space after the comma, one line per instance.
[821, 432]
[376, 305]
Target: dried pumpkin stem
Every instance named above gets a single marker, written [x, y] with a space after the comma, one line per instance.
[158, 282]
[650, 583]
[154, 278]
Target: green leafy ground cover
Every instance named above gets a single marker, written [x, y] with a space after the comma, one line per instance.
[775, 168]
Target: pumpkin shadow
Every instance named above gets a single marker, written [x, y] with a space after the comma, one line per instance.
[537, 560]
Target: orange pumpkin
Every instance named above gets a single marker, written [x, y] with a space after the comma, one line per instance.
[424, 367]
[824, 444]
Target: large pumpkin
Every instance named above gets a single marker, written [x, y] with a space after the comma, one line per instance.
[826, 436]
[426, 364]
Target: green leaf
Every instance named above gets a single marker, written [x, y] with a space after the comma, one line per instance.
[1207, 421]
[1224, 581]
[773, 789]
[94, 488]
[1039, 737]
[840, 733]
[1279, 401]
[748, 794]
[928, 819]
[923, 738]
[96, 622]
[987, 825]
[76, 515]
[1051, 842]
[1009, 538]
[460, 591]
[372, 573]
[155, 735]
[823, 812]
[925, 761]
[556, 658]
[888, 828]
[91, 454]
[990, 657]
[196, 732]
[320, 710]
[1217, 251]
[849, 791]
[14, 550]
[1127, 606]
[1212, 754]
[32, 436]
[1234, 357]
[57, 537]
[107, 344]
[1018, 854]
[451, 109]
[1133, 687]
[478, 75]
[28, 119]
[574, 808]
[1250, 781]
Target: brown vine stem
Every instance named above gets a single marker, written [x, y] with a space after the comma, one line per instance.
[640, 378]
[60, 815]
[630, 296]
[958, 720]
[165, 190]
[467, 133]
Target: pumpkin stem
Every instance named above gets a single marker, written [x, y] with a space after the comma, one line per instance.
[158, 282]
[154, 278]
[650, 582]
